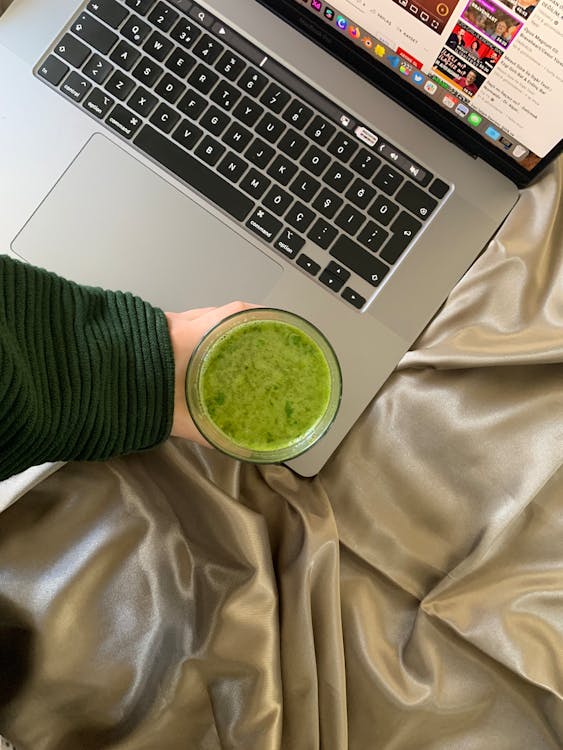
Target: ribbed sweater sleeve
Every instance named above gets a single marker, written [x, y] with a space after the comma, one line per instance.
[85, 374]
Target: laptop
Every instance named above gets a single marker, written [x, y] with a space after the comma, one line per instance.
[346, 161]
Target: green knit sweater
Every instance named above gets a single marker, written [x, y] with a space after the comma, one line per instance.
[84, 373]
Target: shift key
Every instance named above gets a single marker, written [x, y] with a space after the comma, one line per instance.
[360, 261]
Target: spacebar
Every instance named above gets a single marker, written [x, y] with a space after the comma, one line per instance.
[192, 171]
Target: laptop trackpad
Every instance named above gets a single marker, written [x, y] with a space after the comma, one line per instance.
[111, 222]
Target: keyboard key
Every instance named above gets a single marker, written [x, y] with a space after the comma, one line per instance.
[388, 179]
[124, 55]
[297, 114]
[225, 95]
[305, 187]
[163, 16]
[320, 131]
[165, 118]
[203, 79]
[120, 85]
[180, 62]
[300, 217]
[282, 170]
[158, 46]
[94, 33]
[275, 98]
[194, 173]
[109, 11]
[277, 200]
[135, 30]
[142, 101]
[308, 264]
[187, 134]
[230, 65]
[350, 219]
[53, 70]
[232, 167]
[170, 88]
[353, 298]
[322, 234]
[383, 209]
[183, 5]
[204, 17]
[248, 111]
[252, 82]
[75, 86]
[372, 236]
[270, 127]
[264, 224]
[360, 193]
[338, 177]
[331, 281]
[214, 120]
[365, 164]
[210, 150]
[339, 271]
[439, 188]
[404, 229]
[237, 137]
[208, 49]
[146, 71]
[292, 144]
[255, 184]
[416, 200]
[343, 146]
[141, 6]
[259, 153]
[185, 32]
[327, 203]
[192, 104]
[362, 262]
[289, 243]
[97, 69]
[72, 51]
[123, 121]
[315, 160]
[98, 103]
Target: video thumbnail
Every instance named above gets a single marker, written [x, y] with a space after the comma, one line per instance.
[522, 8]
[473, 48]
[458, 72]
[492, 21]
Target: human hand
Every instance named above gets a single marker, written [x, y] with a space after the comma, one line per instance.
[186, 331]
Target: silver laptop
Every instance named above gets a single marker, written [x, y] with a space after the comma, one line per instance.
[346, 161]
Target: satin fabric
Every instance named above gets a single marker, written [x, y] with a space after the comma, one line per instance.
[410, 597]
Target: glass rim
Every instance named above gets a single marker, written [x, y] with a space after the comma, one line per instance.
[218, 439]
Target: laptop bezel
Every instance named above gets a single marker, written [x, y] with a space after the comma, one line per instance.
[394, 86]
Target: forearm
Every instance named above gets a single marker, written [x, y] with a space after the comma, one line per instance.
[84, 373]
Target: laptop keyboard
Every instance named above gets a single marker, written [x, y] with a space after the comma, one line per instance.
[324, 191]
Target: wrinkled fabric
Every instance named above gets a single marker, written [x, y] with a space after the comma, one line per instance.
[410, 597]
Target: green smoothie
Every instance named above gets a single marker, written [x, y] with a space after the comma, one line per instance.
[265, 384]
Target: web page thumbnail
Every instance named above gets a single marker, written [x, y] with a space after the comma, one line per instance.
[492, 21]
[458, 72]
[473, 48]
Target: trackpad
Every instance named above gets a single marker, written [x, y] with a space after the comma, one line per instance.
[111, 222]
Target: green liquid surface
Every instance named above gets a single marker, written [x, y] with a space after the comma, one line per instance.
[265, 384]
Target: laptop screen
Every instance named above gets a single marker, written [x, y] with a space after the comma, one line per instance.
[496, 66]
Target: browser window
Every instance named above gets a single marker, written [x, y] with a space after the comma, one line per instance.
[496, 64]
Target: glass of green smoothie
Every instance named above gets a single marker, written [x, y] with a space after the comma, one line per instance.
[263, 385]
